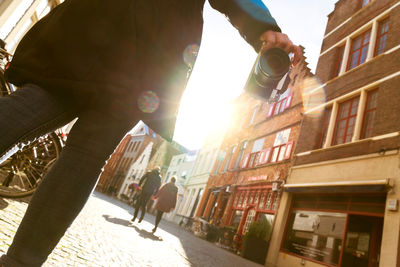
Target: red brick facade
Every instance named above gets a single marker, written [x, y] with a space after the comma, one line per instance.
[244, 180]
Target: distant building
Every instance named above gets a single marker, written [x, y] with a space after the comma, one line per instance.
[128, 151]
[181, 167]
[197, 180]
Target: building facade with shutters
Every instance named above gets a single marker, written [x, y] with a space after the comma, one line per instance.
[340, 202]
[180, 167]
[246, 181]
[197, 180]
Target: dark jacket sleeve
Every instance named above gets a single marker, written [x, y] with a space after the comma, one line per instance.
[157, 186]
[250, 17]
[143, 179]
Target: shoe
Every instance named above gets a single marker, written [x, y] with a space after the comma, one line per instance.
[140, 220]
[133, 219]
[154, 230]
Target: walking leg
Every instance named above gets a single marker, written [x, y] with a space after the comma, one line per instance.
[158, 219]
[66, 187]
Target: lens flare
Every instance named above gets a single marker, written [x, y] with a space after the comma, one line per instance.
[313, 96]
[148, 102]
[190, 54]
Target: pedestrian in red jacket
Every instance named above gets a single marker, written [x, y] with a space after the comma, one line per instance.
[110, 63]
[166, 200]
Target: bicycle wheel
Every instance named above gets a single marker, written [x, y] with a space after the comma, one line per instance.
[5, 88]
[22, 172]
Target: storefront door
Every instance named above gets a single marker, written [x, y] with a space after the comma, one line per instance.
[363, 241]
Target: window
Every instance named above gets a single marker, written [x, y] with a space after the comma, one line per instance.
[325, 126]
[359, 50]
[365, 2]
[315, 235]
[369, 115]
[243, 146]
[229, 158]
[346, 120]
[382, 36]
[280, 106]
[317, 222]
[339, 60]
[253, 115]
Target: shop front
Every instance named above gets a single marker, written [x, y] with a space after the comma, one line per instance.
[333, 229]
[253, 203]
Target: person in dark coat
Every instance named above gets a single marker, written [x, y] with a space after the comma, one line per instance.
[149, 183]
[110, 63]
[166, 200]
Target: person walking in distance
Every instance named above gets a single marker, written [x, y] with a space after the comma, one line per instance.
[149, 183]
[109, 64]
[166, 200]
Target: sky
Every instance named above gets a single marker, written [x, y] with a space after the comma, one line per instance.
[225, 60]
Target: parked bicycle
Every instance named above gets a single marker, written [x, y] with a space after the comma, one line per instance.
[23, 166]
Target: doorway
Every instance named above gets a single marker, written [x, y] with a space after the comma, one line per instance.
[363, 241]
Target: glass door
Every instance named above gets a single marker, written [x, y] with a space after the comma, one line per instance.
[363, 241]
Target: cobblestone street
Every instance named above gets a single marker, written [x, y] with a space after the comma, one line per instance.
[102, 235]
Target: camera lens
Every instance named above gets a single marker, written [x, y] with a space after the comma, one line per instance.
[274, 63]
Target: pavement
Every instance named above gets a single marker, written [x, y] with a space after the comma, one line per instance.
[102, 235]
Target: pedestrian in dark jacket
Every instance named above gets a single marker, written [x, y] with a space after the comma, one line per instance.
[111, 64]
[149, 183]
[166, 200]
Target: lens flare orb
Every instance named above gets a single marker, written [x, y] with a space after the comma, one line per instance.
[148, 102]
[314, 96]
[190, 54]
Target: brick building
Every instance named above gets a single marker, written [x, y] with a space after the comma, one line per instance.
[254, 158]
[340, 202]
[127, 152]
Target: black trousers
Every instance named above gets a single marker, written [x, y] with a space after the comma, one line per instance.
[158, 218]
[141, 203]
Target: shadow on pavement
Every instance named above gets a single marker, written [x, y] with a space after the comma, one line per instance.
[197, 251]
[108, 218]
[3, 204]
[141, 232]
[146, 234]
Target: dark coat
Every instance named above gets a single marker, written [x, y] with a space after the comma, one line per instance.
[166, 197]
[109, 54]
[150, 182]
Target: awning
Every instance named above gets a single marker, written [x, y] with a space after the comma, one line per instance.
[341, 187]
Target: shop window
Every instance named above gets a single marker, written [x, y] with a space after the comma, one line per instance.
[236, 201]
[315, 235]
[382, 37]
[269, 201]
[339, 60]
[257, 197]
[370, 114]
[241, 200]
[249, 219]
[346, 120]
[276, 201]
[245, 198]
[236, 218]
[359, 50]
[251, 197]
[262, 199]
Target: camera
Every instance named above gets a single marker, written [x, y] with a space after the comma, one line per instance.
[269, 77]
